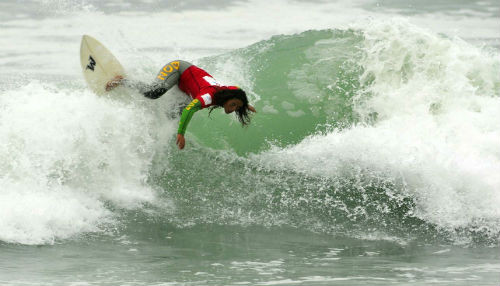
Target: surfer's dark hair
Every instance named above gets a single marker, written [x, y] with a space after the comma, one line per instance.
[223, 95]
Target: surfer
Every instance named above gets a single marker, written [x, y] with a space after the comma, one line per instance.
[200, 86]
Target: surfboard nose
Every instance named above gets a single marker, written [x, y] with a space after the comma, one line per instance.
[87, 38]
[98, 64]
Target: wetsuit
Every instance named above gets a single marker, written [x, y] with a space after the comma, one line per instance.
[192, 80]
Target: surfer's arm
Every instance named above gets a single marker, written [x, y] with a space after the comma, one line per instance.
[186, 116]
[152, 91]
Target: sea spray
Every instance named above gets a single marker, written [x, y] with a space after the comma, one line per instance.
[415, 152]
[428, 107]
[388, 139]
[65, 154]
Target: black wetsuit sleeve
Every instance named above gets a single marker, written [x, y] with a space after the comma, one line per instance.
[168, 76]
[154, 93]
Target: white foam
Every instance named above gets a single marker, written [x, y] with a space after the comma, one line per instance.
[64, 153]
[438, 103]
[76, 150]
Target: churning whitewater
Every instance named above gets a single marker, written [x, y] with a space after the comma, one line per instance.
[373, 158]
[383, 124]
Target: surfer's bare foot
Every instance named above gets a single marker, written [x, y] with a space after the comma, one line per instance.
[114, 82]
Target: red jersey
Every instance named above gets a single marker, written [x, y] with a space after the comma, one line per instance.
[200, 85]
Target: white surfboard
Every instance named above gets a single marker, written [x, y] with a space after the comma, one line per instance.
[98, 64]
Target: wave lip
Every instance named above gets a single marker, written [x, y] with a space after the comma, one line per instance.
[427, 112]
[383, 123]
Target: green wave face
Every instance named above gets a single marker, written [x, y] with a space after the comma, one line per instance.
[387, 130]
[299, 84]
[357, 131]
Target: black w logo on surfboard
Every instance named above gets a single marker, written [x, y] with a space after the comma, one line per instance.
[91, 64]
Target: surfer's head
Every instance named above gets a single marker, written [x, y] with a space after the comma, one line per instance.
[233, 100]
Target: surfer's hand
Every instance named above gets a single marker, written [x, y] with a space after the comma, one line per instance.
[251, 108]
[114, 82]
[180, 141]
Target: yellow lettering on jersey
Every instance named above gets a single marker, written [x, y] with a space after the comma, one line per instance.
[191, 104]
[175, 65]
[161, 75]
[168, 69]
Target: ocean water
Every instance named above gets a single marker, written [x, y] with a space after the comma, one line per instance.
[373, 159]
